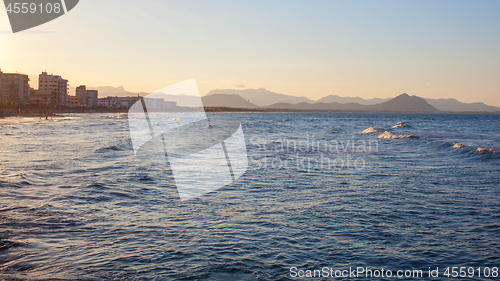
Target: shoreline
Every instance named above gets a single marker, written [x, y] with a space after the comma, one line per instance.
[51, 111]
[60, 112]
[275, 110]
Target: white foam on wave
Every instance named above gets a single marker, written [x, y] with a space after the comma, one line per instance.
[401, 124]
[121, 116]
[372, 130]
[485, 150]
[389, 135]
[478, 150]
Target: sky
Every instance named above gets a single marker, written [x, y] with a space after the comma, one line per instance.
[432, 49]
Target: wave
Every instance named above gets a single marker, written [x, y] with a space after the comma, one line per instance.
[6, 244]
[389, 135]
[401, 124]
[485, 150]
[108, 148]
[372, 130]
[480, 150]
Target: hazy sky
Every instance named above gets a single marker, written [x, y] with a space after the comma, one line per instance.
[436, 49]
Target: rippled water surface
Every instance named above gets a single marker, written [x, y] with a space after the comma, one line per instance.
[77, 204]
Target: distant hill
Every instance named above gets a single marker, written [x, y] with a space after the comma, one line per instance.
[404, 103]
[401, 103]
[452, 105]
[455, 105]
[303, 106]
[226, 100]
[111, 89]
[287, 105]
[119, 91]
[339, 99]
[335, 106]
[262, 97]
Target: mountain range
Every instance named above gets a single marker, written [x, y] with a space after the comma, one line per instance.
[267, 99]
[335, 98]
[226, 100]
[262, 98]
[401, 103]
[455, 105]
[115, 91]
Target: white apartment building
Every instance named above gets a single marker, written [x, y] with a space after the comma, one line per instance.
[14, 87]
[89, 97]
[108, 102]
[54, 83]
[169, 104]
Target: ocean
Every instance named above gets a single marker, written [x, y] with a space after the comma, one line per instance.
[399, 192]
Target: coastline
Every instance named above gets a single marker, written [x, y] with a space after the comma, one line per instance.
[277, 110]
[239, 110]
[51, 111]
[60, 112]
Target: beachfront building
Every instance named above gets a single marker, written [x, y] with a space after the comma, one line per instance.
[44, 97]
[127, 102]
[89, 98]
[153, 103]
[158, 103]
[118, 102]
[14, 88]
[75, 101]
[169, 104]
[108, 102]
[54, 83]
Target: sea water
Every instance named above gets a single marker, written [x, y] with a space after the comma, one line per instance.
[322, 190]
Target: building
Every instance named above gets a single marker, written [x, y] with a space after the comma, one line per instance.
[88, 98]
[169, 104]
[44, 97]
[54, 83]
[108, 102]
[118, 102]
[153, 103]
[14, 88]
[75, 101]
[159, 104]
[127, 102]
